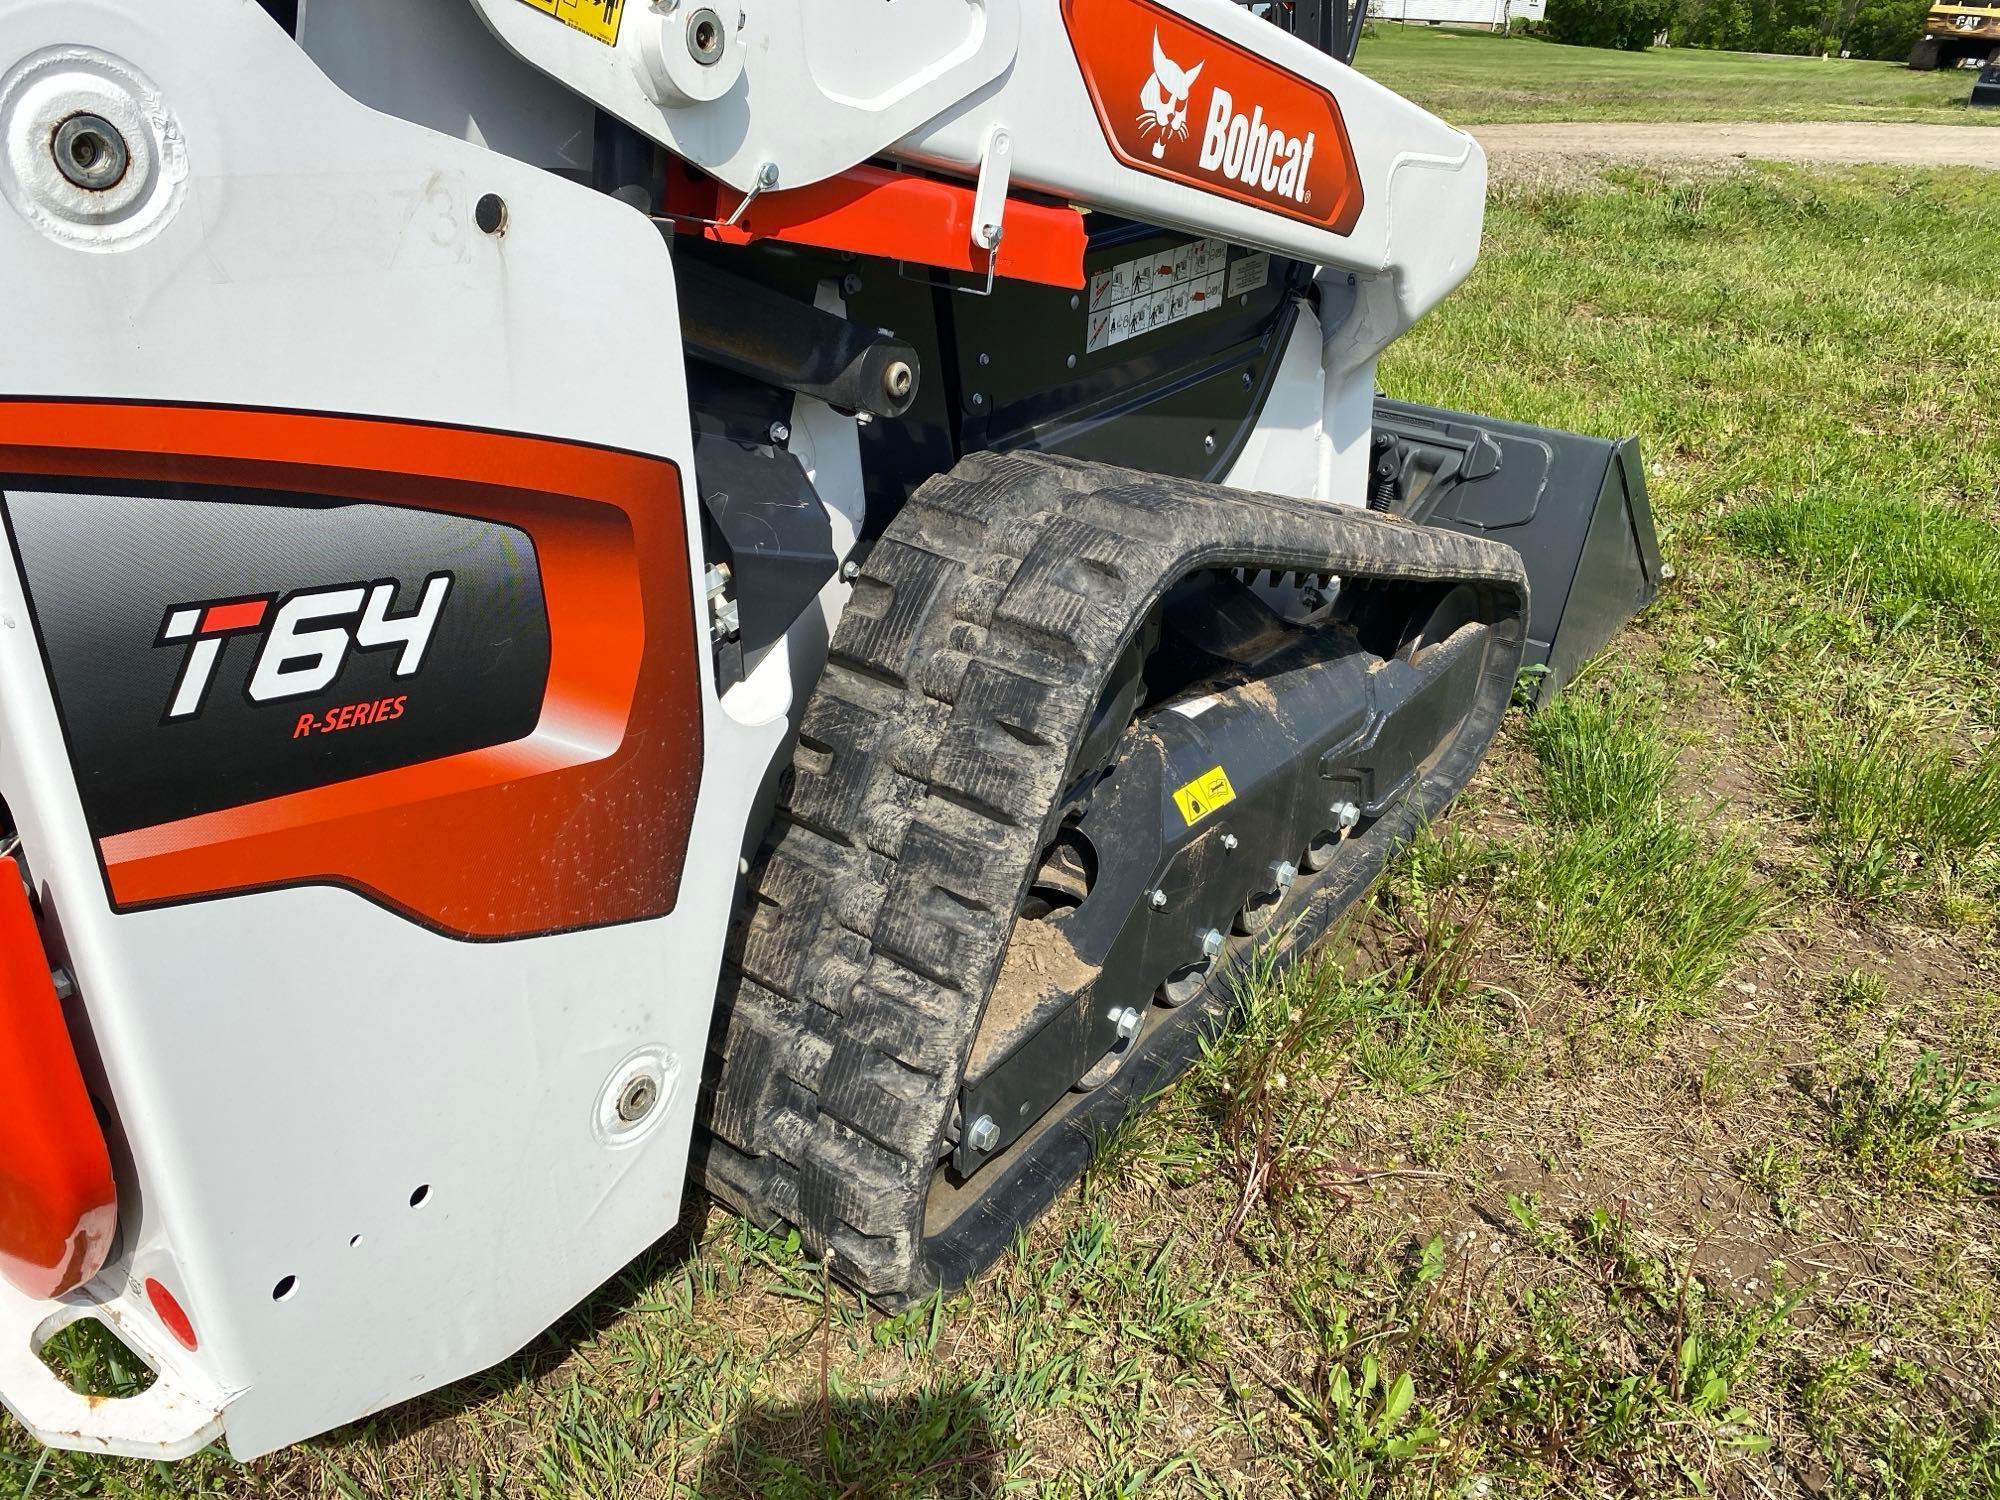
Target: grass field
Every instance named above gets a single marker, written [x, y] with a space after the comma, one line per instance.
[1638, 1139]
[1476, 78]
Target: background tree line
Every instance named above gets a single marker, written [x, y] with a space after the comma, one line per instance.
[1866, 28]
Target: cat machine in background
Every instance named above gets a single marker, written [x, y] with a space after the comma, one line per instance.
[1964, 33]
[782, 595]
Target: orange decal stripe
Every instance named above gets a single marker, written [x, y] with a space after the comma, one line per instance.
[585, 821]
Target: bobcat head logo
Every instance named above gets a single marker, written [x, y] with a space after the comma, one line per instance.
[1163, 102]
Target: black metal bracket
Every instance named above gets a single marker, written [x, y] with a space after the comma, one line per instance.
[773, 530]
[1318, 747]
[744, 326]
[1574, 507]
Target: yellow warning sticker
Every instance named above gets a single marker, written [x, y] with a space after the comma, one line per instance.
[1204, 795]
[594, 18]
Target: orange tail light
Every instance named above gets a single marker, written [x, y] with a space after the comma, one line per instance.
[58, 1207]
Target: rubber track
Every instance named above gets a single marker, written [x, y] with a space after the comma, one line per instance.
[930, 757]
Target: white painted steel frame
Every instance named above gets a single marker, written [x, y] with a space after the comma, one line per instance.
[286, 1068]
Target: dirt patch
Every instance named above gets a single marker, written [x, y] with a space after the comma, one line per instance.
[1040, 965]
[1556, 154]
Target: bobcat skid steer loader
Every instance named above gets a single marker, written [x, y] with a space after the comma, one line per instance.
[606, 592]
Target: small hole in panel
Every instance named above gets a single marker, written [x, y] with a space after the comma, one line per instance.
[421, 1196]
[284, 1289]
[355, 1243]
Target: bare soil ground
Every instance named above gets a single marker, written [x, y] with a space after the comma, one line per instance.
[1855, 143]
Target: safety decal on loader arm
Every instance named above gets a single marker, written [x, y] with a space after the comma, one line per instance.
[594, 18]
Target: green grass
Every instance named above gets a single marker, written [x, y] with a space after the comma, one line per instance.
[1897, 813]
[1903, 563]
[1474, 78]
[91, 1358]
[1628, 884]
[1901, 1121]
[1438, 1221]
[1654, 912]
[1602, 758]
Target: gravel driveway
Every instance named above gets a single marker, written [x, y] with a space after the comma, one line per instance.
[1515, 147]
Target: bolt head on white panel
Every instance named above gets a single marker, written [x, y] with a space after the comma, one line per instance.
[637, 1096]
[120, 178]
[691, 52]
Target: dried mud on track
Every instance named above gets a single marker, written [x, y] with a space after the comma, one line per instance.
[1530, 151]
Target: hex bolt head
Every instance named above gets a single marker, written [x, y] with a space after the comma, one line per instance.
[984, 1134]
[1345, 815]
[781, 433]
[1208, 443]
[767, 175]
[1128, 1021]
[90, 152]
[850, 570]
[1157, 899]
[705, 37]
[638, 1099]
[1284, 872]
[1230, 841]
[1211, 942]
[850, 284]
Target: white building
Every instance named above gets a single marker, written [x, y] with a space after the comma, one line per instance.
[1492, 13]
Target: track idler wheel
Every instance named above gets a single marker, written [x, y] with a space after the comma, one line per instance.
[1326, 844]
[1189, 980]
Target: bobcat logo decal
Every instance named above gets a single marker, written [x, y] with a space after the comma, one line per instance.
[1213, 111]
[1163, 102]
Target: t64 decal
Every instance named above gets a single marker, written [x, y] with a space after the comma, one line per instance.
[457, 672]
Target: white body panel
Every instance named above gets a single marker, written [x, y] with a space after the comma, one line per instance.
[289, 1067]
[818, 85]
[431, 62]
[1286, 454]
